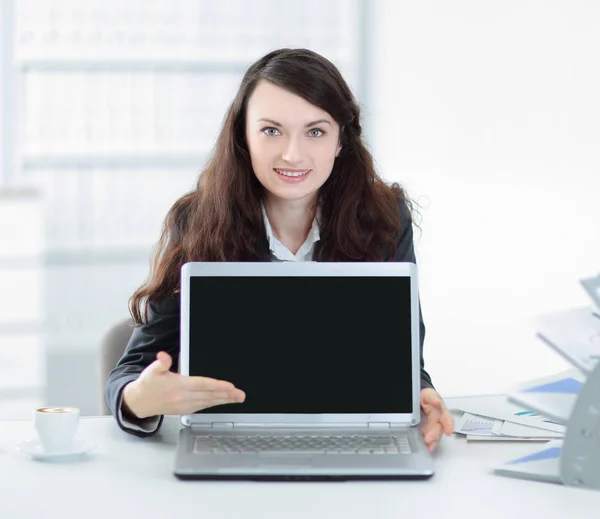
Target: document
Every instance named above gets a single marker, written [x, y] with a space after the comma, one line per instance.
[496, 438]
[592, 287]
[573, 334]
[471, 424]
[477, 428]
[542, 464]
[553, 396]
[498, 407]
[526, 431]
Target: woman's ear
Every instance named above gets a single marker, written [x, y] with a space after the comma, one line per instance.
[339, 148]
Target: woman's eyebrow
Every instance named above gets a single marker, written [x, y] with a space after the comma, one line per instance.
[312, 123]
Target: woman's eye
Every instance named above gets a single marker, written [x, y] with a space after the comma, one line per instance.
[270, 131]
[316, 132]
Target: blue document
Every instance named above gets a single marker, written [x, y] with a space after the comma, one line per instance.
[553, 396]
[542, 464]
[568, 386]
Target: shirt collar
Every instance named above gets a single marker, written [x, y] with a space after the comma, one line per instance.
[281, 251]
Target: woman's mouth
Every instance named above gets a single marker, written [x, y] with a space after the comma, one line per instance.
[292, 175]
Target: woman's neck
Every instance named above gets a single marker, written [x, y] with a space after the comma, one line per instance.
[290, 221]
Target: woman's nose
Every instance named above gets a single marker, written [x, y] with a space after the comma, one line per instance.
[293, 152]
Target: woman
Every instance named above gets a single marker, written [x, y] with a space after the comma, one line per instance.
[289, 179]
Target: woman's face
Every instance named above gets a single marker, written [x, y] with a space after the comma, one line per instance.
[292, 143]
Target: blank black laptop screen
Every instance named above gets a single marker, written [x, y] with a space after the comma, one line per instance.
[304, 344]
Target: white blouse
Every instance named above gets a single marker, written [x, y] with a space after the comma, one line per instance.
[281, 253]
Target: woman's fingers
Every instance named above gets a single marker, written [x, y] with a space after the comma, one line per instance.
[434, 433]
[206, 384]
[439, 419]
[447, 422]
[207, 399]
[233, 395]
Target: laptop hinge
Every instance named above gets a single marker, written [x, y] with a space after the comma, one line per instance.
[379, 425]
[213, 425]
[222, 425]
[297, 425]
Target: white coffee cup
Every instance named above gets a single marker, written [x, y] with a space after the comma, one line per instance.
[56, 427]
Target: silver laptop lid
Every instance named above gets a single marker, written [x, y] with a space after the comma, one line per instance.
[310, 343]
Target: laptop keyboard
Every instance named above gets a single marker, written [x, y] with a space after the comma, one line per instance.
[302, 444]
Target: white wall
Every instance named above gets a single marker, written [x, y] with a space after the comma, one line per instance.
[1, 103]
[489, 114]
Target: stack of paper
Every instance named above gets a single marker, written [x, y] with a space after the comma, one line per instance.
[553, 396]
[493, 418]
[575, 336]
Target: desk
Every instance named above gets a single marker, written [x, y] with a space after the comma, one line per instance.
[132, 477]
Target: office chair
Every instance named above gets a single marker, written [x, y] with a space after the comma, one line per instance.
[112, 346]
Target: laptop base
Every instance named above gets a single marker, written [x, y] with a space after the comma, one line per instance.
[297, 478]
[302, 467]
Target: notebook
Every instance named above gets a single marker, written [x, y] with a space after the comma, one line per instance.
[328, 355]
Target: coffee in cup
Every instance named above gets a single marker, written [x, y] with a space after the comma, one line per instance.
[56, 427]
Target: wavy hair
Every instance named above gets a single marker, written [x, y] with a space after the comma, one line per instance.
[221, 219]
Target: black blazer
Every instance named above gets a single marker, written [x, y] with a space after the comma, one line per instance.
[161, 333]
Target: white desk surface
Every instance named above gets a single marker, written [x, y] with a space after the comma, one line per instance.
[132, 477]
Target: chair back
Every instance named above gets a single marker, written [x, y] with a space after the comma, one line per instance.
[112, 347]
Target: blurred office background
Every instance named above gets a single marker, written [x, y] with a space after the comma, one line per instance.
[487, 112]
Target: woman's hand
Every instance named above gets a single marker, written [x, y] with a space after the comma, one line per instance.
[439, 419]
[158, 391]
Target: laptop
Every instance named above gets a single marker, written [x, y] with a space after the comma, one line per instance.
[328, 356]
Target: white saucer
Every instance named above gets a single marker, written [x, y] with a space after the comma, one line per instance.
[34, 449]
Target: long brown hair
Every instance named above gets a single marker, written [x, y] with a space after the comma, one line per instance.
[221, 219]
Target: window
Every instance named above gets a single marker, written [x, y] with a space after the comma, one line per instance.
[116, 105]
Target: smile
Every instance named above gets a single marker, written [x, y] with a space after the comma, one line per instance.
[292, 172]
